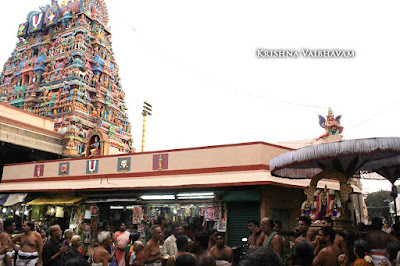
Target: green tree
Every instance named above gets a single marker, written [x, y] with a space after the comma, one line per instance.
[378, 204]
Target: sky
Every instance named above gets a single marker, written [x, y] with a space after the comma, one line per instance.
[196, 63]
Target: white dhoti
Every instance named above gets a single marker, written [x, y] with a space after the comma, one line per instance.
[378, 255]
[27, 259]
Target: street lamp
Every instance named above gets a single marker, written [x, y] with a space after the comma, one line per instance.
[147, 109]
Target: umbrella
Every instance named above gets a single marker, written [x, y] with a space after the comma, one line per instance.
[346, 157]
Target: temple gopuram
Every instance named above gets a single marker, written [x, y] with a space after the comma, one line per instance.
[63, 68]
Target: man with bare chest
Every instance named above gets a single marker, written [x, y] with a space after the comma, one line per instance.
[221, 252]
[152, 255]
[328, 256]
[5, 241]
[377, 240]
[30, 253]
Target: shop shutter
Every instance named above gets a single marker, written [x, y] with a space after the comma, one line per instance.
[238, 216]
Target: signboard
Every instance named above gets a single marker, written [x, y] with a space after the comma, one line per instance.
[36, 22]
[23, 29]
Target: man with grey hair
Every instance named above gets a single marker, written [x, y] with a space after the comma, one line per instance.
[152, 249]
[51, 250]
[137, 257]
[101, 256]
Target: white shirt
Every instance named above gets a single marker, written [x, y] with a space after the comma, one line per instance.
[170, 246]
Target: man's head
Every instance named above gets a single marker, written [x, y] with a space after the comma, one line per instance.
[107, 227]
[185, 260]
[76, 241]
[122, 227]
[277, 226]
[137, 246]
[212, 233]
[28, 226]
[377, 223]
[55, 231]
[252, 225]
[104, 239]
[178, 230]
[182, 243]
[327, 221]
[267, 225]
[9, 225]
[161, 220]
[326, 234]
[304, 223]
[200, 240]
[68, 233]
[155, 232]
[220, 240]
[303, 253]
[260, 256]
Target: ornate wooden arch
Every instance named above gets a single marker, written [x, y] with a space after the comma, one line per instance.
[345, 187]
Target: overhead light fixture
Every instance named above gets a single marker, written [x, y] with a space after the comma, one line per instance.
[196, 197]
[158, 197]
[116, 207]
[16, 212]
[195, 194]
[4, 210]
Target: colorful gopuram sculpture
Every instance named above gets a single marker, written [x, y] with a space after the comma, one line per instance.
[63, 67]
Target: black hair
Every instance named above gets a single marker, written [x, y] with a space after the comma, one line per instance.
[31, 225]
[279, 223]
[7, 222]
[185, 260]
[392, 248]
[305, 219]
[361, 247]
[328, 219]
[329, 232]
[181, 241]
[220, 234]
[254, 222]
[134, 237]
[303, 254]
[377, 223]
[202, 239]
[77, 262]
[260, 256]
[174, 226]
[159, 219]
[212, 231]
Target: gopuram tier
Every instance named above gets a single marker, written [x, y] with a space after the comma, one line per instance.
[63, 67]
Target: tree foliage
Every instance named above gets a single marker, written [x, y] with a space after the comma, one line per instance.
[378, 204]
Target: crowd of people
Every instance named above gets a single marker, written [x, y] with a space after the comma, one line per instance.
[324, 246]
[168, 245]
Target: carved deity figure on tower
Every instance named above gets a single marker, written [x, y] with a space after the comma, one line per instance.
[331, 124]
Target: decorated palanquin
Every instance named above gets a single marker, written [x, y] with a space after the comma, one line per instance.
[326, 202]
[63, 67]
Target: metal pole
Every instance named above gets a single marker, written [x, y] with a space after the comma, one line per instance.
[144, 131]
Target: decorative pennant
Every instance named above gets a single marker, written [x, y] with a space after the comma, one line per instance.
[124, 164]
[36, 22]
[92, 167]
[63, 168]
[22, 29]
[160, 162]
[39, 170]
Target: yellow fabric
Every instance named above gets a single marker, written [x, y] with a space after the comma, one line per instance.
[55, 201]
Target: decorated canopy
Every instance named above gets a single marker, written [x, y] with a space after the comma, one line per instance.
[346, 157]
